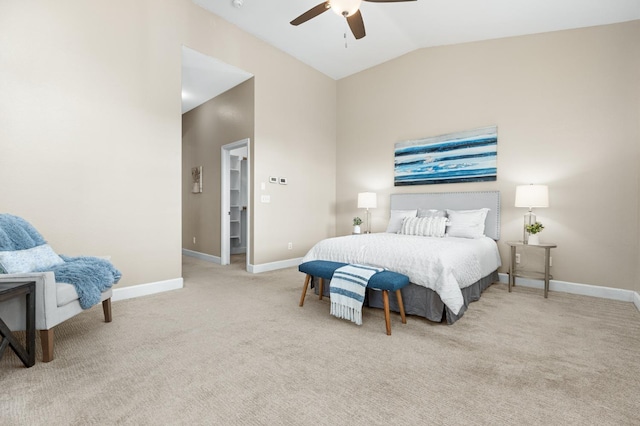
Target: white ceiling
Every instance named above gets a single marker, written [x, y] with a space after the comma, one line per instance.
[204, 78]
[393, 29]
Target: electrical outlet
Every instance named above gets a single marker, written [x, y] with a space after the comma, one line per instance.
[194, 240]
[290, 246]
[550, 261]
[517, 257]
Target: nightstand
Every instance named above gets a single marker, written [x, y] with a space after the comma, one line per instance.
[513, 273]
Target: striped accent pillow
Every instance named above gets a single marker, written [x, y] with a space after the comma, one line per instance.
[424, 226]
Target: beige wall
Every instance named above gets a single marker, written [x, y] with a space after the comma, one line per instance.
[566, 105]
[90, 129]
[295, 137]
[225, 119]
[638, 165]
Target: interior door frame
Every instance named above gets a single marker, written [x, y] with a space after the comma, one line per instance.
[225, 200]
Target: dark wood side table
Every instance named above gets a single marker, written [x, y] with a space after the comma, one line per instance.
[8, 290]
[513, 273]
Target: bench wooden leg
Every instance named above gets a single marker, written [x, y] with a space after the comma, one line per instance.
[106, 307]
[321, 287]
[401, 306]
[46, 339]
[387, 317]
[304, 289]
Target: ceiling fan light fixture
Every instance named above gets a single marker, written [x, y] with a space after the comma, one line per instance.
[345, 7]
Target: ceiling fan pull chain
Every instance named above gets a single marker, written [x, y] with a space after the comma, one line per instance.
[346, 29]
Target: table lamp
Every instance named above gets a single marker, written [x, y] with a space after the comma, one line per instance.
[531, 196]
[367, 200]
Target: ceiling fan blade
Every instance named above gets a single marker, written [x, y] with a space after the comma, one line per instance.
[311, 13]
[357, 25]
[386, 1]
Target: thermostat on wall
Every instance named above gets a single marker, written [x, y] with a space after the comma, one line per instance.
[273, 179]
[283, 181]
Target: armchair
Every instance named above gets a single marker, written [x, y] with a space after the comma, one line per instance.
[65, 286]
[55, 303]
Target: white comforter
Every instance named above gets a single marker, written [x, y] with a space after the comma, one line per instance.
[444, 265]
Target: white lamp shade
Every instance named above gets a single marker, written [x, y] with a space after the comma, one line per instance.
[367, 200]
[532, 196]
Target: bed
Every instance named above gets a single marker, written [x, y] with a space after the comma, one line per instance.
[446, 273]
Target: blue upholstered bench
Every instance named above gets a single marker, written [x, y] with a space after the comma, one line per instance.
[385, 281]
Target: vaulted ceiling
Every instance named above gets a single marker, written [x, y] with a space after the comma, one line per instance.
[326, 43]
[396, 28]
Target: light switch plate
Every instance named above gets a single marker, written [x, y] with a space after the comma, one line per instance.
[273, 179]
[283, 181]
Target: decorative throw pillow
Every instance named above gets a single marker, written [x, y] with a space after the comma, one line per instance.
[424, 226]
[466, 223]
[36, 258]
[431, 213]
[397, 216]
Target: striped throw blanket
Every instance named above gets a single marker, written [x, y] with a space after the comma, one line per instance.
[347, 290]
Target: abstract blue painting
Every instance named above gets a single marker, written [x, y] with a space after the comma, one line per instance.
[469, 156]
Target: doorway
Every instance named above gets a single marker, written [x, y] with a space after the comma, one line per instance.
[210, 90]
[235, 213]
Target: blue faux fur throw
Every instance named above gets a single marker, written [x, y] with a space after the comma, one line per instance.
[18, 234]
[89, 275]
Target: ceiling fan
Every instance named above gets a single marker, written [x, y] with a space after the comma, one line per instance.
[350, 9]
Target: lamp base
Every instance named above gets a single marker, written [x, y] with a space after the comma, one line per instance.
[529, 219]
[368, 231]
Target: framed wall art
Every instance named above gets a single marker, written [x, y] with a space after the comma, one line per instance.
[468, 156]
[196, 175]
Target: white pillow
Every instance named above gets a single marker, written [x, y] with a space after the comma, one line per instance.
[466, 223]
[431, 213]
[397, 216]
[29, 260]
[424, 226]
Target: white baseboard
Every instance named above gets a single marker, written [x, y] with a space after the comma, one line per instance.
[254, 269]
[282, 264]
[202, 256]
[560, 286]
[146, 289]
[582, 289]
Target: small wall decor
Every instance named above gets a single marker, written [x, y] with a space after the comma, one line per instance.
[196, 175]
[468, 156]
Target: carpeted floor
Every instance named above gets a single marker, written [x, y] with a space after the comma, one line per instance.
[233, 348]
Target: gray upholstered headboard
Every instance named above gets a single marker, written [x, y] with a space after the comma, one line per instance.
[455, 201]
